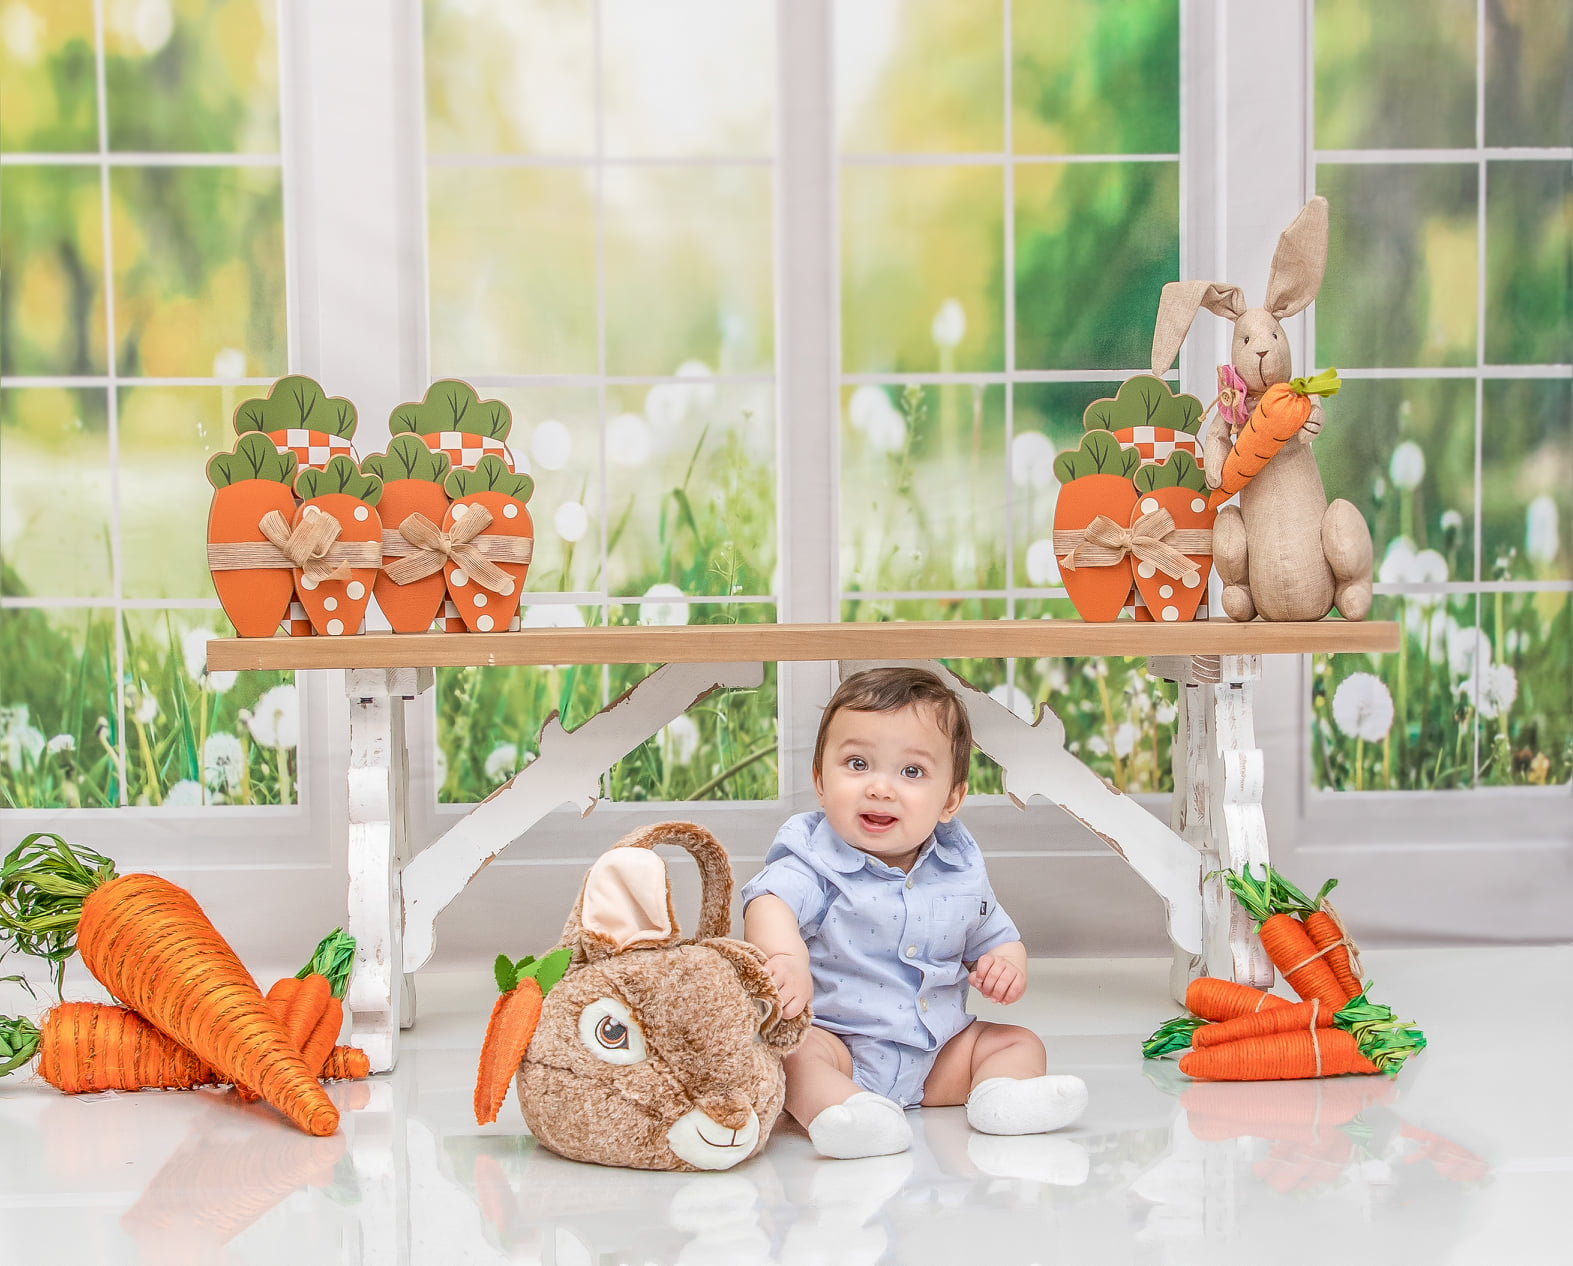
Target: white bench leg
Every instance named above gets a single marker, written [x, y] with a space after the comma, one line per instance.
[379, 1003]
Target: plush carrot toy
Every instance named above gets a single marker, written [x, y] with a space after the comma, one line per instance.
[524, 986]
[309, 1002]
[1282, 410]
[1215, 999]
[1280, 1057]
[148, 942]
[83, 1048]
[1285, 939]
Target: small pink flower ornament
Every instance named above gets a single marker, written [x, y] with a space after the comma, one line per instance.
[1231, 398]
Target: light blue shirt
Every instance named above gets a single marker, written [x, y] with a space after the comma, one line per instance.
[886, 948]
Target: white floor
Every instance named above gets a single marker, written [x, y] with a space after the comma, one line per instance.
[1466, 1157]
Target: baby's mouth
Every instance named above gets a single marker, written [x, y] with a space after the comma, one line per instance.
[877, 821]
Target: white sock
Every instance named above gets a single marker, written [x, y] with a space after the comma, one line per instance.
[865, 1125]
[1028, 1105]
[1061, 1161]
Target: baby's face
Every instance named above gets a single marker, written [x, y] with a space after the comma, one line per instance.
[886, 781]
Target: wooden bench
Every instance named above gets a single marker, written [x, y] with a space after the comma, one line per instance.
[1216, 819]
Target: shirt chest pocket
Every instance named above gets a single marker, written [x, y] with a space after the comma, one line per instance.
[954, 916]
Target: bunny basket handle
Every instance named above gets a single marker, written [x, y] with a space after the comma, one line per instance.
[623, 881]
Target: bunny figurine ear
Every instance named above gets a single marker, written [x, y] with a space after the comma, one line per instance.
[627, 901]
[1299, 261]
[1177, 309]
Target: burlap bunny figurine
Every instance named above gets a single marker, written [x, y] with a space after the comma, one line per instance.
[1284, 553]
[653, 1051]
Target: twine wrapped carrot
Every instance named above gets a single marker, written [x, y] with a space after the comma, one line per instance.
[1283, 409]
[309, 1003]
[148, 942]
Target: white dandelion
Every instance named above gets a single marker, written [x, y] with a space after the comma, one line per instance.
[194, 650]
[1013, 699]
[1408, 466]
[185, 794]
[1540, 531]
[1396, 561]
[866, 404]
[1097, 745]
[1465, 647]
[1043, 567]
[1032, 461]
[571, 521]
[275, 721]
[1125, 736]
[628, 440]
[501, 762]
[1496, 690]
[1166, 712]
[61, 743]
[551, 445]
[657, 609]
[551, 616]
[678, 741]
[949, 326]
[223, 763]
[1452, 522]
[1363, 708]
[144, 704]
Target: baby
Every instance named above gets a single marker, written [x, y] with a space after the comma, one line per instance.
[878, 910]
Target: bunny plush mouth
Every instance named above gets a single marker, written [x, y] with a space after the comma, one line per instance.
[693, 1139]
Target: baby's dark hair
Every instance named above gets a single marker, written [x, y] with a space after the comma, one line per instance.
[890, 690]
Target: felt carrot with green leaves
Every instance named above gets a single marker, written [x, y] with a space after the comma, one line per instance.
[412, 484]
[1283, 409]
[248, 484]
[339, 496]
[491, 540]
[1095, 482]
[524, 986]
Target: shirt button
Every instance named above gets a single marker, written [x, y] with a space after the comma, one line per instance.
[909, 881]
[923, 1004]
[912, 951]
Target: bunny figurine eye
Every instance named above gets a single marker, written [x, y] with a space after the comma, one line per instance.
[610, 1033]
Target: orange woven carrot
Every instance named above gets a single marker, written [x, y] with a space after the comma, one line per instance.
[508, 1033]
[1279, 1057]
[1282, 410]
[1323, 930]
[1301, 1015]
[87, 1047]
[148, 942]
[1215, 999]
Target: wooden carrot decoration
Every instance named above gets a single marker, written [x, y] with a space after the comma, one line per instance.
[248, 484]
[336, 590]
[1178, 488]
[1095, 485]
[83, 1048]
[1282, 410]
[148, 942]
[490, 543]
[301, 419]
[452, 421]
[412, 484]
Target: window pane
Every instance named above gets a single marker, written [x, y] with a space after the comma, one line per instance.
[1095, 78]
[199, 270]
[489, 719]
[57, 709]
[922, 488]
[201, 76]
[1095, 245]
[1047, 420]
[556, 439]
[1402, 280]
[921, 252]
[1405, 721]
[1395, 75]
[688, 77]
[1529, 263]
[689, 269]
[1529, 92]
[55, 493]
[1527, 480]
[923, 76]
[698, 514]
[51, 271]
[1403, 451]
[512, 259]
[986, 674]
[48, 100]
[1118, 720]
[166, 436]
[194, 737]
[510, 76]
[722, 748]
[1526, 698]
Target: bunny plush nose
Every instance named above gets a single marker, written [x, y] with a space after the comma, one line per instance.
[730, 1111]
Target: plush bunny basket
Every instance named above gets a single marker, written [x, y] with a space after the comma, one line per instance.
[654, 1051]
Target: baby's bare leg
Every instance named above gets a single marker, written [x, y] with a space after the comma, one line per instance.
[997, 1070]
[842, 1121]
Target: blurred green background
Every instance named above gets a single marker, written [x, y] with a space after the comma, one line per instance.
[655, 493]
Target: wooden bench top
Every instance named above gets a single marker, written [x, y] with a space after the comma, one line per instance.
[747, 643]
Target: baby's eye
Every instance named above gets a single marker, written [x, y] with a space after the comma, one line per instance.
[856, 764]
[912, 771]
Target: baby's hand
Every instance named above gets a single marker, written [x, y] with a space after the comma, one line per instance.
[998, 979]
[793, 982]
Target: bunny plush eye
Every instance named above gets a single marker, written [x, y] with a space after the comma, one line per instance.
[610, 1033]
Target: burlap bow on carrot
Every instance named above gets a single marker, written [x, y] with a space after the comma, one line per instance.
[310, 545]
[422, 548]
[1153, 538]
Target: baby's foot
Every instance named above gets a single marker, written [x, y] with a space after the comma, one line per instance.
[1028, 1105]
[865, 1125]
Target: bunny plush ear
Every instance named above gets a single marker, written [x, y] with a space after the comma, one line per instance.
[627, 901]
[1177, 309]
[1299, 261]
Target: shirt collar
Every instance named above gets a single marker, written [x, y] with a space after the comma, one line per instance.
[945, 846]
